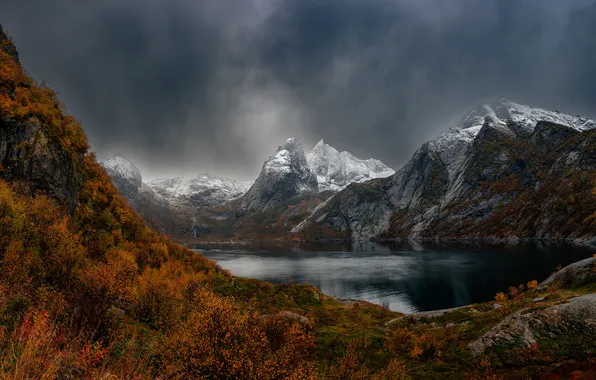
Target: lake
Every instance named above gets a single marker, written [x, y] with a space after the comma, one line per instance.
[410, 277]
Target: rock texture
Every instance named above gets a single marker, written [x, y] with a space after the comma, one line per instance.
[506, 171]
[284, 176]
[28, 155]
[525, 329]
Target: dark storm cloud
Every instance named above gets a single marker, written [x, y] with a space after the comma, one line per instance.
[190, 86]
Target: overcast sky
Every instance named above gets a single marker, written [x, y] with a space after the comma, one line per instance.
[184, 87]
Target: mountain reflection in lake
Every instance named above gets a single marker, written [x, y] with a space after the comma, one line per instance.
[410, 277]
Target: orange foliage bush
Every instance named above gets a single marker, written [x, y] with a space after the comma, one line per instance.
[221, 340]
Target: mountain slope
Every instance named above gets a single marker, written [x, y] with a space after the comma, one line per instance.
[335, 170]
[468, 181]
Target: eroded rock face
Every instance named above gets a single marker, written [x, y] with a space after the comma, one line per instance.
[523, 330]
[29, 156]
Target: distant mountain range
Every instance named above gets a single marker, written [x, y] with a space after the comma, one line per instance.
[505, 171]
[191, 207]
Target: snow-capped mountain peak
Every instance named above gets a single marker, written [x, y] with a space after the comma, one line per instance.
[451, 145]
[335, 170]
[286, 174]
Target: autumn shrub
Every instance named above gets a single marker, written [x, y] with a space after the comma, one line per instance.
[532, 285]
[427, 347]
[400, 341]
[38, 348]
[395, 370]
[501, 298]
[220, 340]
[351, 364]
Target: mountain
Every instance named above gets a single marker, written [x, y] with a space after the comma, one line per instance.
[204, 190]
[182, 208]
[505, 171]
[335, 170]
[126, 176]
[284, 176]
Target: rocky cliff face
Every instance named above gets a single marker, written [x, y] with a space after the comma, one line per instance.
[505, 170]
[285, 175]
[28, 153]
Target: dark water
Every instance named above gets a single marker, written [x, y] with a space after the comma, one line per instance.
[411, 277]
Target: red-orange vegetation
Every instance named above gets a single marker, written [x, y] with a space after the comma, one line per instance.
[221, 340]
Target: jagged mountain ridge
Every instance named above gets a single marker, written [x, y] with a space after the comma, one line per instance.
[465, 176]
[335, 170]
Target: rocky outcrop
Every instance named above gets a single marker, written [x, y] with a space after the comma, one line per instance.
[27, 155]
[577, 273]
[285, 175]
[524, 328]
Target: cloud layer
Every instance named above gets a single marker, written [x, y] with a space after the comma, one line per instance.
[186, 87]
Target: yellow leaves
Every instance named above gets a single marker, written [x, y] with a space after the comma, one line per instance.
[532, 285]
[416, 351]
[501, 297]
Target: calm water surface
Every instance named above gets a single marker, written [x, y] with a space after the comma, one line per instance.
[411, 277]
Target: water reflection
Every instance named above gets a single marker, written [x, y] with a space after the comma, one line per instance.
[409, 277]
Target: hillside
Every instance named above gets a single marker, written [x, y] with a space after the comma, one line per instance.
[88, 290]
